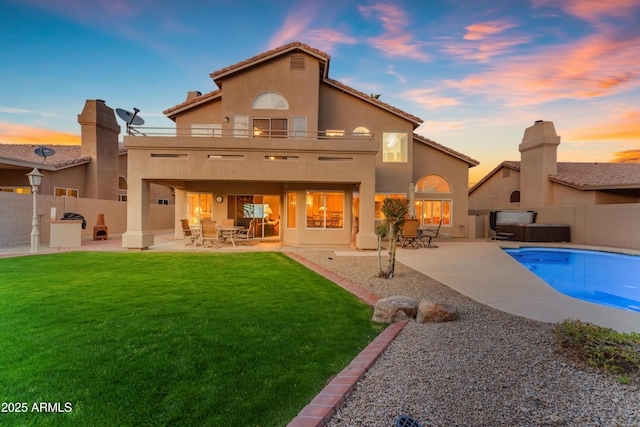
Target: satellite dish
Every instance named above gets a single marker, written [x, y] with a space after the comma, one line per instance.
[129, 117]
[44, 152]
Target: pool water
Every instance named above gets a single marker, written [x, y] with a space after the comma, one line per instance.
[601, 277]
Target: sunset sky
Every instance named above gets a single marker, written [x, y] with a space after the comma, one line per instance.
[477, 72]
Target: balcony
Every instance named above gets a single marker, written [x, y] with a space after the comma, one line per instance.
[169, 153]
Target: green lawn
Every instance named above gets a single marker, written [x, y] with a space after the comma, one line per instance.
[121, 339]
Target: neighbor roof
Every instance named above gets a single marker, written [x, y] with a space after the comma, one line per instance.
[585, 176]
[324, 58]
[23, 155]
[598, 176]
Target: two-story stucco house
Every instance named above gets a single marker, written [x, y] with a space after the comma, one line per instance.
[311, 158]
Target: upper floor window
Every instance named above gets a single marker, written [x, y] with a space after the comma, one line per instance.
[514, 197]
[270, 101]
[270, 128]
[433, 184]
[394, 147]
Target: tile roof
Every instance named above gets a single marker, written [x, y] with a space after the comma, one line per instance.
[170, 112]
[595, 176]
[585, 176]
[218, 75]
[23, 155]
[427, 141]
[507, 163]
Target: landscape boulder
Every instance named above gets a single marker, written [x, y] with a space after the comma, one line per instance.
[433, 312]
[395, 309]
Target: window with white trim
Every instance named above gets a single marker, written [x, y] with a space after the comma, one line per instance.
[325, 209]
[270, 128]
[270, 100]
[394, 147]
[241, 126]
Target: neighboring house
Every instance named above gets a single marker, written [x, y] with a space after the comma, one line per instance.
[308, 156]
[539, 181]
[96, 169]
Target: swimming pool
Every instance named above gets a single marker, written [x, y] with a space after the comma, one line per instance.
[602, 277]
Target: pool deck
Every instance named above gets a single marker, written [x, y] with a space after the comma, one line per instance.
[483, 271]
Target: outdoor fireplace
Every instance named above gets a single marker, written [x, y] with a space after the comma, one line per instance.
[100, 230]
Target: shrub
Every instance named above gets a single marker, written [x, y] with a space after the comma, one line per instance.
[604, 348]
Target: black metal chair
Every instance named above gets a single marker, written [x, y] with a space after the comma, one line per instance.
[431, 234]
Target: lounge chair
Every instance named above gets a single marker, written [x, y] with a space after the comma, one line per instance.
[209, 234]
[431, 234]
[188, 233]
[409, 233]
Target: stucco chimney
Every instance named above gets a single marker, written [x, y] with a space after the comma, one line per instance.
[100, 132]
[193, 94]
[538, 160]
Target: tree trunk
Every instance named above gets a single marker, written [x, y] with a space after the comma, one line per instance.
[391, 260]
[380, 272]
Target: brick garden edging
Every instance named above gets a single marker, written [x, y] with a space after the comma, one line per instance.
[324, 406]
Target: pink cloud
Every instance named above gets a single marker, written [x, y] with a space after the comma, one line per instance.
[595, 66]
[395, 41]
[483, 41]
[429, 99]
[11, 133]
[296, 27]
[592, 10]
[481, 30]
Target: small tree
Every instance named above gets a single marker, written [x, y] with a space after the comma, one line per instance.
[395, 211]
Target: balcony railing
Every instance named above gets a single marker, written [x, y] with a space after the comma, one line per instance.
[244, 133]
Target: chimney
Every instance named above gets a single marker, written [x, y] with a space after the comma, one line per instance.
[193, 94]
[100, 142]
[538, 160]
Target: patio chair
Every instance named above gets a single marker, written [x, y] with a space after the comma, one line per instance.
[209, 234]
[248, 234]
[431, 234]
[409, 233]
[188, 233]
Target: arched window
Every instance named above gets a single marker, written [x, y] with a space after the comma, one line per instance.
[361, 130]
[433, 184]
[514, 197]
[270, 100]
[122, 183]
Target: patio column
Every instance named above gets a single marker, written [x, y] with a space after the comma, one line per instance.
[366, 237]
[180, 212]
[138, 236]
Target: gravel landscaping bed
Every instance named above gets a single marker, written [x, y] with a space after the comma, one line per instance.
[487, 369]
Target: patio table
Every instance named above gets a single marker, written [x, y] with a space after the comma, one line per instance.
[229, 232]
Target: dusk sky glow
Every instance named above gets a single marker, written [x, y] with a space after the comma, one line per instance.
[477, 72]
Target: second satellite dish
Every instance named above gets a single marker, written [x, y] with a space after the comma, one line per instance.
[129, 117]
[44, 152]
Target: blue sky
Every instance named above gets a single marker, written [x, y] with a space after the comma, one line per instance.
[477, 72]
